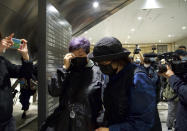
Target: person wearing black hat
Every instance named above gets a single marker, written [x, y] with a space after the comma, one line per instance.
[129, 97]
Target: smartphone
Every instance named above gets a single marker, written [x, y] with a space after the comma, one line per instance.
[17, 43]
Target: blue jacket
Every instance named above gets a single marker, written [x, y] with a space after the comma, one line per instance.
[141, 97]
[152, 74]
[180, 87]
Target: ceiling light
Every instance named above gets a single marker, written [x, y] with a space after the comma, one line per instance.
[170, 36]
[95, 4]
[160, 41]
[184, 28]
[126, 42]
[128, 36]
[139, 18]
[132, 29]
[86, 32]
[151, 4]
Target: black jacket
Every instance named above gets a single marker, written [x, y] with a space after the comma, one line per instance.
[179, 84]
[80, 93]
[7, 71]
[130, 100]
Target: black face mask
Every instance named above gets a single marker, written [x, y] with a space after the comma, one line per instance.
[78, 63]
[107, 69]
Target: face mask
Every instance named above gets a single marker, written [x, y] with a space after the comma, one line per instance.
[152, 59]
[146, 65]
[107, 69]
[78, 62]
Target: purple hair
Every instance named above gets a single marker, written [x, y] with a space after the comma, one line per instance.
[79, 42]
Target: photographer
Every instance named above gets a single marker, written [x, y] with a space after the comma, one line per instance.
[9, 70]
[179, 84]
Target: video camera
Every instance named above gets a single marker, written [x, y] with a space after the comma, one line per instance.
[172, 59]
[137, 50]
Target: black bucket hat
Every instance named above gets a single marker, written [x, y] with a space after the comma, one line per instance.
[108, 48]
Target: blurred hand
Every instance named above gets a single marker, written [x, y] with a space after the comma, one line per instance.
[6, 43]
[168, 73]
[67, 60]
[24, 50]
[102, 129]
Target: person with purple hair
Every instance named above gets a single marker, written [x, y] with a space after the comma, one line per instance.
[78, 85]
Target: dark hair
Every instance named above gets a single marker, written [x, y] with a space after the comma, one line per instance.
[78, 43]
[182, 46]
[123, 60]
[147, 60]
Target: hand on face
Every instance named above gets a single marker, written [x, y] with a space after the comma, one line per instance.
[102, 129]
[67, 60]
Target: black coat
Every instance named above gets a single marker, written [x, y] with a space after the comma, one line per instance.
[179, 84]
[7, 71]
[80, 92]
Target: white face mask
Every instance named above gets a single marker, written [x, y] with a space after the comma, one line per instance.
[146, 65]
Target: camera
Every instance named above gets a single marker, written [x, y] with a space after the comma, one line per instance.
[137, 50]
[172, 59]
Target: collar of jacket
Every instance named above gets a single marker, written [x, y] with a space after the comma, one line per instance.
[120, 73]
[90, 63]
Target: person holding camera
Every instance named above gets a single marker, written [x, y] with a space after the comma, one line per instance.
[9, 70]
[78, 84]
[178, 83]
[130, 96]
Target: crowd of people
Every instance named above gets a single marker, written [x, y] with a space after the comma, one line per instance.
[103, 90]
[106, 90]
